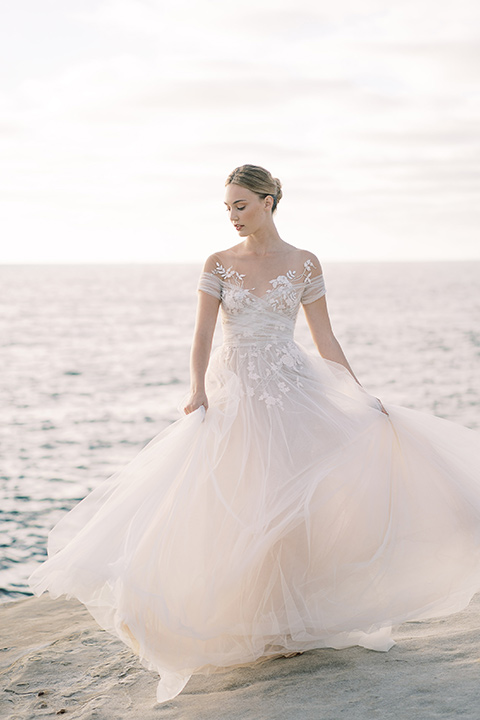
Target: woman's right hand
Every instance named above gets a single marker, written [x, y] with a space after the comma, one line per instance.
[195, 401]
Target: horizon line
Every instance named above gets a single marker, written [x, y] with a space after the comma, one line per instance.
[36, 263]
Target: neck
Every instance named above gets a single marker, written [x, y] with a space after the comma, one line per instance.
[264, 240]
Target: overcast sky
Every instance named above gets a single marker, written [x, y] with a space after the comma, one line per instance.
[121, 119]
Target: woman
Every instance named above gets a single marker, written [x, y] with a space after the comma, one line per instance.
[263, 255]
[295, 513]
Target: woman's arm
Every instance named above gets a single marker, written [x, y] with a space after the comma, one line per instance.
[327, 344]
[321, 329]
[207, 312]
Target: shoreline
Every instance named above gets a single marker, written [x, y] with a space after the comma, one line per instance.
[55, 660]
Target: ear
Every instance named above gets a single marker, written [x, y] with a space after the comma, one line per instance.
[268, 202]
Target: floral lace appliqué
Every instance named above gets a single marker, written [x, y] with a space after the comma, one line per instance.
[228, 273]
[284, 292]
[268, 370]
[283, 295]
[234, 296]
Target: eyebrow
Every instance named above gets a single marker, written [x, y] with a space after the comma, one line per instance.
[234, 202]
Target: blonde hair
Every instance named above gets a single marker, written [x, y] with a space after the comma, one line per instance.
[258, 180]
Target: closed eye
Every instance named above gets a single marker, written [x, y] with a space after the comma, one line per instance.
[238, 208]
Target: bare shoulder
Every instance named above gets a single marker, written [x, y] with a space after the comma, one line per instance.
[222, 257]
[305, 256]
[213, 260]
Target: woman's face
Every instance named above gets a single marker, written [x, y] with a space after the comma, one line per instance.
[246, 210]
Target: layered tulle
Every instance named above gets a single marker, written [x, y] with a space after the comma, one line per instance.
[292, 514]
[256, 528]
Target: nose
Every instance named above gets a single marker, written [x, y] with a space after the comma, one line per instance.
[233, 215]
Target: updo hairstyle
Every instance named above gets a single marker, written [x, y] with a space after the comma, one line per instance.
[258, 180]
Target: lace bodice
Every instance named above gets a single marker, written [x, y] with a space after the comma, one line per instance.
[248, 317]
[258, 329]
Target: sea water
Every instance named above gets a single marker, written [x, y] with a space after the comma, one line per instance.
[94, 362]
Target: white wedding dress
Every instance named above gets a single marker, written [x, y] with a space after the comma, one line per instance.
[292, 515]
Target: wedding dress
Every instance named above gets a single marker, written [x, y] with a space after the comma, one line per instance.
[291, 515]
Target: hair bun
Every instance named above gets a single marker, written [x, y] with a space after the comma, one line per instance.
[279, 192]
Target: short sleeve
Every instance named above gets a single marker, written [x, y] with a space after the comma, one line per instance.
[313, 290]
[210, 284]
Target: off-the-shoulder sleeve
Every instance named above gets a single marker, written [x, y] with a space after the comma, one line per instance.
[211, 284]
[314, 289]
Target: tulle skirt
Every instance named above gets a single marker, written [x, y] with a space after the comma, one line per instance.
[275, 522]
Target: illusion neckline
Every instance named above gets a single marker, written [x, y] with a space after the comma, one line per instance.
[290, 277]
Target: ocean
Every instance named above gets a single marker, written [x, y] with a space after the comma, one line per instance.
[95, 362]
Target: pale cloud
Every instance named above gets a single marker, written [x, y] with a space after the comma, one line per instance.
[370, 114]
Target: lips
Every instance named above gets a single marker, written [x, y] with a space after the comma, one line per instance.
[238, 227]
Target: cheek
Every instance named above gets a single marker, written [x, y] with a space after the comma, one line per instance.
[252, 215]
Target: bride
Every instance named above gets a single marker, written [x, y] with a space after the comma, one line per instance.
[288, 509]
